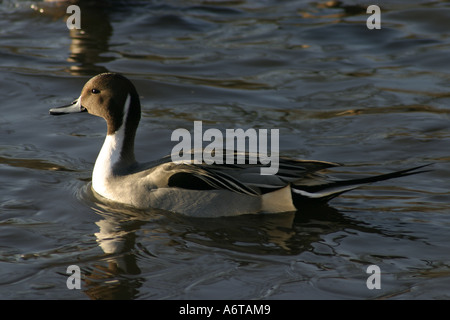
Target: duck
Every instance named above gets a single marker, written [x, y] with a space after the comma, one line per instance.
[196, 189]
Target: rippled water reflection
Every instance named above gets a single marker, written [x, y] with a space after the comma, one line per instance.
[376, 100]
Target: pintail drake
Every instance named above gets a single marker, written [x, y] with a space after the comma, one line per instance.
[202, 190]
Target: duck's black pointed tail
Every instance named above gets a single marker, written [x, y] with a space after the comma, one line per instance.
[328, 191]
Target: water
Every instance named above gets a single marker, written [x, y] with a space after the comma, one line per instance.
[376, 100]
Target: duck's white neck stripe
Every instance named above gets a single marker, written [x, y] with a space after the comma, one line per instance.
[109, 155]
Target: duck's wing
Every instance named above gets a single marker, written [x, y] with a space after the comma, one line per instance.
[197, 177]
[289, 171]
[241, 178]
[301, 175]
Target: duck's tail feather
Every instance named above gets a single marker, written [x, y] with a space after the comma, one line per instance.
[328, 191]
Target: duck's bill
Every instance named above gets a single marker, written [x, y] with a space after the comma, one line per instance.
[74, 107]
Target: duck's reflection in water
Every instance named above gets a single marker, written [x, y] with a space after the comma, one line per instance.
[89, 45]
[114, 276]
[122, 232]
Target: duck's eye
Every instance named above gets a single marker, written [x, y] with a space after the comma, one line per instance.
[95, 91]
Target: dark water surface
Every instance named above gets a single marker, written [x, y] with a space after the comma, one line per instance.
[377, 100]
